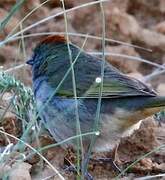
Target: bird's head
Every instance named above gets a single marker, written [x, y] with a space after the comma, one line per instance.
[47, 47]
[51, 55]
[51, 61]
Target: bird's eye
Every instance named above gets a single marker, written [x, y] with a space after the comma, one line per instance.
[30, 62]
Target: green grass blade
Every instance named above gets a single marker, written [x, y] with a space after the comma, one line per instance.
[13, 10]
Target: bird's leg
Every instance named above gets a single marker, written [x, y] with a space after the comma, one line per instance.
[72, 168]
[84, 167]
[112, 161]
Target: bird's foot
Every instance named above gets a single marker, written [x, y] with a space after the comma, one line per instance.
[73, 169]
[70, 168]
[88, 176]
[109, 161]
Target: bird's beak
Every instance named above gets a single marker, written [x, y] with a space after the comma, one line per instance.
[30, 62]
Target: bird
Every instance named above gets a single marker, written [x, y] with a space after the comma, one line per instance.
[125, 101]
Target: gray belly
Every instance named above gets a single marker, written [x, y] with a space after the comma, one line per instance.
[112, 130]
[63, 126]
[61, 122]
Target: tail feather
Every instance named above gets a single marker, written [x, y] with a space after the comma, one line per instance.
[153, 102]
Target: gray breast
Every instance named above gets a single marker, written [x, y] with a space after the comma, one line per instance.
[59, 118]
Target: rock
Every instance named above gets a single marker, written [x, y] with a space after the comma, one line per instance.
[136, 75]
[7, 4]
[140, 142]
[39, 14]
[11, 24]
[123, 21]
[160, 27]
[59, 21]
[161, 89]
[9, 54]
[11, 125]
[151, 38]
[160, 167]
[146, 163]
[57, 3]
[163, 60]
[160, 131]
[150, 11]
[7, 1]
[162, 6]
[70, 15]
[20, 171]
[9, 122]
[56, 154]
[149, 17]
[4, 169]
[149, 123]
[124, 64]
[108, 5]
[122, 5]
[86, 20]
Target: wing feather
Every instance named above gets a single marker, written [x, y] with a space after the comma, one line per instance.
[87, 68]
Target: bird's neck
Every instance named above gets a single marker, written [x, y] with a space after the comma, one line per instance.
[38, 83]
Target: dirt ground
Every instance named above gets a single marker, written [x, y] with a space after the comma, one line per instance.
[139, 22]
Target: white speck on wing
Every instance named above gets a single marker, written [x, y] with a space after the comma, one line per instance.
[98, 80]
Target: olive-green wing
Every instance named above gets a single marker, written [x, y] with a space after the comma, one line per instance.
[87, 70]
[116, 84]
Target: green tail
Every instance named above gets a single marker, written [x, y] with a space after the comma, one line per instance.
[153, 102]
